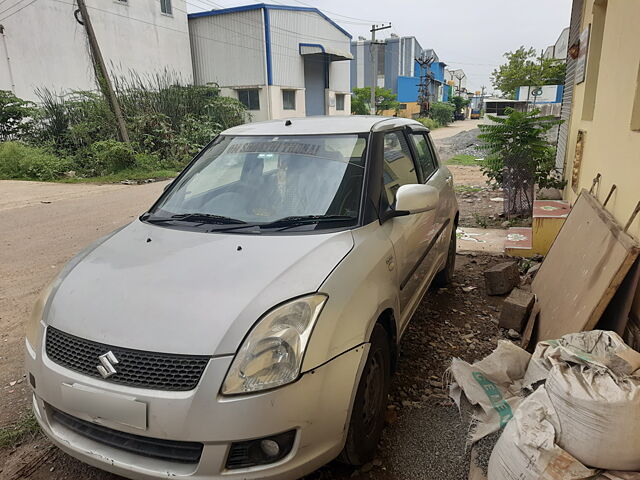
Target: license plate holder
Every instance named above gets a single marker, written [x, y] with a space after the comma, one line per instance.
[104, 407]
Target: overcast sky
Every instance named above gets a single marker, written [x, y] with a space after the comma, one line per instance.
[467, 34]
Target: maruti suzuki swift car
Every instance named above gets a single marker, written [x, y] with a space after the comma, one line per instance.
[246, 326]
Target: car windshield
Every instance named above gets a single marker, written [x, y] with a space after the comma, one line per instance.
[269, 181]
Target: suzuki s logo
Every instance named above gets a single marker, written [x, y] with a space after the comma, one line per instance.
[107, 361]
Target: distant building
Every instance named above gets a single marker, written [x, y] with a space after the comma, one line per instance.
[399, 71]
[559, 49]
[279, 61]
[43, 45]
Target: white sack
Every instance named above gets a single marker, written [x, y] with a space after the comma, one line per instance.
[526, 449]
[492, 385]
[600, 415]
[598, 349]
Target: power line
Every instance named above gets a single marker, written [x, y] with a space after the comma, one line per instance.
[360, 20]
[20, 9]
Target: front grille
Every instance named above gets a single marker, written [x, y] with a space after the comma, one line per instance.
[183, 452]
[135, 368]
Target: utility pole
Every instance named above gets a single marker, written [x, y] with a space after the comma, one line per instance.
[101, 72]
[6, 51]
[426, 80]
[374, 73]
[460, 77]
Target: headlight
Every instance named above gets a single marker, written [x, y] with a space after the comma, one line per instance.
[272, 353]
[33, 325]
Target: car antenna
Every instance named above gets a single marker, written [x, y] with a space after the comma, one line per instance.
[287, 123]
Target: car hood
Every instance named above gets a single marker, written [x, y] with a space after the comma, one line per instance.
[167, 290]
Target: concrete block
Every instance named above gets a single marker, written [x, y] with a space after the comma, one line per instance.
[516, 309]
[501, 278]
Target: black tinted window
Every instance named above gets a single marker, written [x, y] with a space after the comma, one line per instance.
[399, 168]
[426, 160]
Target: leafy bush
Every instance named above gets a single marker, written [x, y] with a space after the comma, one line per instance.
[519, 156]
[16, 116]
[430, 123]
[442, 112]
[104, 157]
[20, 161]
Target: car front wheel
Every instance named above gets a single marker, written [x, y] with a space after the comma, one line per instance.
[367, 417]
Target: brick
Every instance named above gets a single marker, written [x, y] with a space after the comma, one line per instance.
[501, 278]
[516, 309]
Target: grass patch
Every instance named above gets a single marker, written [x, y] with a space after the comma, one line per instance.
[25, 428]
[128, 174]
[467, 189]
[463, 159]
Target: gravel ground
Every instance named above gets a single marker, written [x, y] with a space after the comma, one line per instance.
[462, 143]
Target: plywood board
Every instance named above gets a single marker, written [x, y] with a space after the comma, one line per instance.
[616, 316]
[583, 269]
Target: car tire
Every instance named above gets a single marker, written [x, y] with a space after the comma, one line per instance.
[445, 276]
[370, 404]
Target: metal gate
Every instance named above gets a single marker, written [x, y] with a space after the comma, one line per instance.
[569, 83]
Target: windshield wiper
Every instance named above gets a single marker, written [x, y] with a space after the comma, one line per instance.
[296, 220]
[202, 218]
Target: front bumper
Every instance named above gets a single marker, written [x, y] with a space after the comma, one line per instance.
[317, 406]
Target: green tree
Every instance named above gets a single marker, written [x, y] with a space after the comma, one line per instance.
[442, 112]
[361, 101]
[16, 116]
[459, 102]
[524, 67]
[519, 156]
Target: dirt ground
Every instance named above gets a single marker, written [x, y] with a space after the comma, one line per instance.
[44, 225]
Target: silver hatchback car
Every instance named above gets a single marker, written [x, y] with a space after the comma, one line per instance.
[246, 326]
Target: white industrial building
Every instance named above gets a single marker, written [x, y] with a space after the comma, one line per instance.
[279, 61]
[43, 45]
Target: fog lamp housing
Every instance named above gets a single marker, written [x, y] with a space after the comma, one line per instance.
[261, 451]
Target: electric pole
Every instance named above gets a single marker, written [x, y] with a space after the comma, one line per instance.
[460, 77]
[101, 72]
[374, 73]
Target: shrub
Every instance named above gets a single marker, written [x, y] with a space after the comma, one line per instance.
[148, 162]
[20, 161]
[104, 157]
[519, 156]
[430, 123]
[442, 112]
[16, 116]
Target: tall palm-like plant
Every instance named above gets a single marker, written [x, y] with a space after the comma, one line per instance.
[519, 156]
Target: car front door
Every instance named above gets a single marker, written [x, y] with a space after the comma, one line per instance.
[411, 235]
[438, 176]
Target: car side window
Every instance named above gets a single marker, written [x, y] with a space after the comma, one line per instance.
[398, 166]
[426, 159]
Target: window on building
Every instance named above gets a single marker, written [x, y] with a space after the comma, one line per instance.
[165, 7]
[426, 159]
[288, 99]
[339, 101]
[399, 168]
[593, 58]
[635, 113]
[250, 98]
[403, 106]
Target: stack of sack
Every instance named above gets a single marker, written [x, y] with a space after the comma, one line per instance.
[582, 419]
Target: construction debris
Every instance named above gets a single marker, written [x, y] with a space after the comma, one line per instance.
[583, 415]
[501, 278]
[516, 309]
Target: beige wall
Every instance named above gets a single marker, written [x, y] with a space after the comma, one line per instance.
[611, 147]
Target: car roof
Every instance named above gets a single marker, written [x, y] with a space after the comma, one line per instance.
[318, 125]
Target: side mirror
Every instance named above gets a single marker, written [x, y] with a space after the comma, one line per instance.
[416, 198]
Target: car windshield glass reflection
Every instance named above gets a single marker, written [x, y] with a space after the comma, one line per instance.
[249, 180]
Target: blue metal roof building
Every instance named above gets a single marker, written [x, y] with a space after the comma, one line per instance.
[280, 61]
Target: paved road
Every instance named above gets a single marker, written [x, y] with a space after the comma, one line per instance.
[42, 225]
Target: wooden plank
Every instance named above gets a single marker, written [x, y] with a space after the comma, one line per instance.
[616, 316]
[584, 268]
